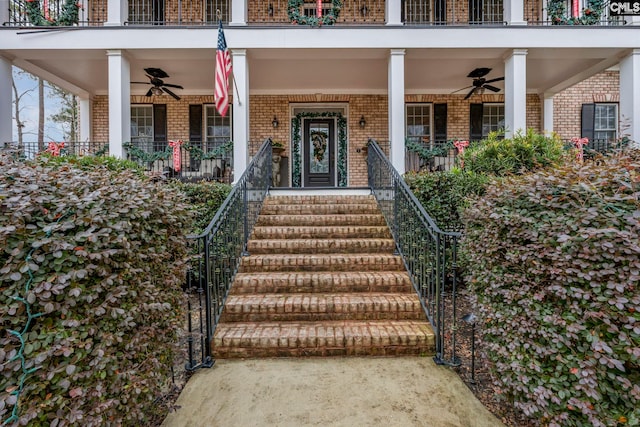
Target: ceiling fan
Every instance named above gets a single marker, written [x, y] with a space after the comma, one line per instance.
[480, 83]
[155, 78]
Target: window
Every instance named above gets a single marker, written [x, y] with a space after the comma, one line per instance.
[142, 127]
[605, 122]
[419, 123]
[492, 118]
[146, 12]
[482, 11]
[218, 128]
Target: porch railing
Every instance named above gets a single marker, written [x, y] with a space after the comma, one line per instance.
[216, 256]
[212, 161]
[30, 149]
[430, 254]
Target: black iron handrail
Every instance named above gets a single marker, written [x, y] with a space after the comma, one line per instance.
[217, 252]
[429, 254]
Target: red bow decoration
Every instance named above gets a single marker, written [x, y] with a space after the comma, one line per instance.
[177, 160]
[54, 148]
[579, 144]
[461, 145]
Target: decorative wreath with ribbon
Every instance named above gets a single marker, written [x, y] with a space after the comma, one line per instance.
[67, 16]
[293, 9]
[557, 12]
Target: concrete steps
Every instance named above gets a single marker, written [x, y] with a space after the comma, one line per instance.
[322, 280]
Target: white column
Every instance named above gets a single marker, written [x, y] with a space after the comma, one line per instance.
[4, 11]
[393, 11]
[515, 92]
[85, 118]
[396, 108]
[119, 102]
[630, 97]
[240, 112]
[547, 112]
[117, 12]
[6, 116]
[514, 12]
[238, 12]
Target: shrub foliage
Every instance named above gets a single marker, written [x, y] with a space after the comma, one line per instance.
[553, 259]
[92, 262]
[205, 198]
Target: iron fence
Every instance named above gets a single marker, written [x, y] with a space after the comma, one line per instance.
[30, 149]
[178, 12]
[596, 147]
[429, 254]
[23, 14]
[217, 252]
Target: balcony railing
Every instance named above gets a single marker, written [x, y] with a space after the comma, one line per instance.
[415, 13]
[30, 149]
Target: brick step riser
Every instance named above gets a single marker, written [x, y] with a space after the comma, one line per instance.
[322, 221]
[256, 353]
[319, 317]
[320, 210]
[385, 282]
[320, 200]
[355, 246]
[270, 233]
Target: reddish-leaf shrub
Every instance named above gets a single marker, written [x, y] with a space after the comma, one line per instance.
[553, 259]
[91, 266]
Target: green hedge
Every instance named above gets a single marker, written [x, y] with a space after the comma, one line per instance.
[92, 262]
[553, 259]
[205, 198]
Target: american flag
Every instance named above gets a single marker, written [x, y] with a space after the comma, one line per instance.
[223, 69]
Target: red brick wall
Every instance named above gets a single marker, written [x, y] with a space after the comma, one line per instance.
[567, 105]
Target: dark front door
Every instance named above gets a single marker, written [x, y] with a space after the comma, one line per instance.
[319, 153]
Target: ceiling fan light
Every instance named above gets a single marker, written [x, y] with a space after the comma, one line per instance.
[156, 91]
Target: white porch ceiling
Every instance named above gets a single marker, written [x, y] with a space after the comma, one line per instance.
[312, 70]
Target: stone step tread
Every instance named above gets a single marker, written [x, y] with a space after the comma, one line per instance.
[321, 262]
[338, 209]
[315, 306]
[244, 338]
[326, 220]
[343, 281]
[297, 246]
[302, 232]
[319, 200]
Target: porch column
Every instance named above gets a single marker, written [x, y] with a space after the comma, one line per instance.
[85, 118]
[630, 97]
[393, 12]
[4, 11]
[119, 102]
[396, 109]
[6, 116]
[117, 12]
[547, 112]
[515, 92]
[514, 12]
[238, 12]
[240, 112]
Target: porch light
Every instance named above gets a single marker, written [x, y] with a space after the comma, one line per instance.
[270, 10]
[362, 122]
[364, 9]
[275, 122]
[156, 91]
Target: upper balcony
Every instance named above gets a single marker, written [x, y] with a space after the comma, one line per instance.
[414, 13]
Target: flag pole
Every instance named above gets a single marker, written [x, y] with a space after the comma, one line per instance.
[233, 78]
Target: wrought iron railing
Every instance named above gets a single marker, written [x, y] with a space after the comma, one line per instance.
[30, 149]
[430, 254]
[599, 146]
[217, 252]
[178, 12]
[196, 160]
[25, 13]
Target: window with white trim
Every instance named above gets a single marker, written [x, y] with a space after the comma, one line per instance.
[492, 118]
[217, 128]
[419, 123]
[142, 127]
[605, 122]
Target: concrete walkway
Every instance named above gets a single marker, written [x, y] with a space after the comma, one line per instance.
[407, 391]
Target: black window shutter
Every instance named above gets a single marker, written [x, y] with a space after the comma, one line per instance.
[160, 126]
[440, 122]
[475, 122]
[475, 11]
[588, 121]
[195, 123]
[440, 11]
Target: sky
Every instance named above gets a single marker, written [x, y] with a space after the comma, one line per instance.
[29, 110]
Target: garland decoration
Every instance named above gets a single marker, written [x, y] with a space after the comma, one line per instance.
[557, 12]
[67, 16]
[54, 148]
[293, 10]
[196, 153]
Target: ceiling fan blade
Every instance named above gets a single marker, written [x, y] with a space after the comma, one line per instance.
[171, 93]
[492, 88]
[497, 79]
[170, 85]
[141, 83]
[149, 92]
[156, 72]
[459, 90]
[470, 93]
[479, 72]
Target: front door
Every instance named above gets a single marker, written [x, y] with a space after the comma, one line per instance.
[319, 153]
